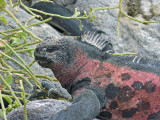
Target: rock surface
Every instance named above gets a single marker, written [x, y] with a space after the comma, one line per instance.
[39, 110]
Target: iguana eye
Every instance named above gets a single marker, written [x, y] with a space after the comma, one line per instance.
[52, 49]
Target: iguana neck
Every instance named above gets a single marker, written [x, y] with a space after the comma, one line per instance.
[66, 74]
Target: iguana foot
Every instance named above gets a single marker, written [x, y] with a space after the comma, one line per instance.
[55, 90]
[36, 93]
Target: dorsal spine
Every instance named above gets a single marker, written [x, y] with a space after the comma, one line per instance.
[99, 40]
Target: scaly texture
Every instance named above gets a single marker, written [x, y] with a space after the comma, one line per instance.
[124, 87]
[69, 26]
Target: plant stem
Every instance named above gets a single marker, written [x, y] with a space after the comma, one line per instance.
[46, 77]
[26, 8]
[37, 23]
[7, 91]
[21, 26]
[24, 100]
[5, 64]
[25, 50]
[25, 79]
[32, 63]
[119, 54]
[10, 89]
[3, 108]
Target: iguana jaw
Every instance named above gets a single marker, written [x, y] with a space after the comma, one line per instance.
[52, 51]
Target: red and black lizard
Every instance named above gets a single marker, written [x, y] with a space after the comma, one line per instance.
[110, 87]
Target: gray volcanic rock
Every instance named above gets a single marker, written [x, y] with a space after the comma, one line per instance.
[39, 110]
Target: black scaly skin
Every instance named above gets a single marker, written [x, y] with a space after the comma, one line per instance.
[64, 2]
[59, 2]
[70, 26]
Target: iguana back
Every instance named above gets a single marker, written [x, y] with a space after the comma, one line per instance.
[127, 87]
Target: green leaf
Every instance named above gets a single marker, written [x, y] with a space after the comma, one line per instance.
[92, 18]
[23, 36]
[31, 52]
[2, 4]
[8, 51]
[26, 47]
[9, 108]
[91, 9]
[3, 19]
[7, 98]
[15, 104]
[9, 79]
[14, 40]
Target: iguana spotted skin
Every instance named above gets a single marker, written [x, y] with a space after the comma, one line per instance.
[110, 87]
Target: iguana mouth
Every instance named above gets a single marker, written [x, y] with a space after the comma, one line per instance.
[43, 62]
[41, 59]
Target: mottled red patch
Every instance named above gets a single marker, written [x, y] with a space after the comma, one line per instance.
[98, 73]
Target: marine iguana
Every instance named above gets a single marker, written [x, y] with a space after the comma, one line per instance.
[102, 85]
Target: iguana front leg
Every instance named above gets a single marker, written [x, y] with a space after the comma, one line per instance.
[55, 90]
[86, 106]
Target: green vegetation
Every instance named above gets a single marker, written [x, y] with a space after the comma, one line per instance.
[20, 40]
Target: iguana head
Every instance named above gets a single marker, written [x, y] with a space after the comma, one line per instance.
[52, 51]
[67, 56]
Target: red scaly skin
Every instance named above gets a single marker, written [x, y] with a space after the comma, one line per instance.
[141, 103]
